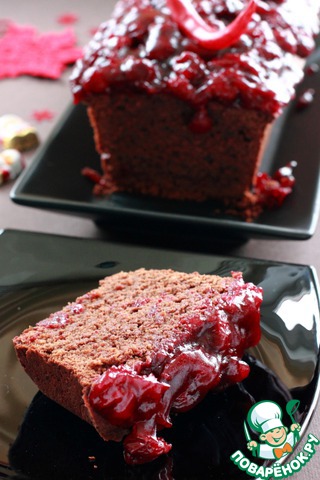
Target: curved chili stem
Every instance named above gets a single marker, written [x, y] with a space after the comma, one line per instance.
[195, 27]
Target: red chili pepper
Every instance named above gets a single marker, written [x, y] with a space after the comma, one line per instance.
[195, 27]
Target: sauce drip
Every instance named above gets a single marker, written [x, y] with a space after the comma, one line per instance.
[141, 397]
[272, 190]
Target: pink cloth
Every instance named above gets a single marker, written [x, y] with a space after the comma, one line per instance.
[25, 51]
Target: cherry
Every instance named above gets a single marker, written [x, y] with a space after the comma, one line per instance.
[272, 191]
[305, 99]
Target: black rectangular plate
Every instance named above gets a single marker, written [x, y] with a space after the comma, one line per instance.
[54, 181]
[41, 273]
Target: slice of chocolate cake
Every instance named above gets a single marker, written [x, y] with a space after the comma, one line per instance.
[141, 346]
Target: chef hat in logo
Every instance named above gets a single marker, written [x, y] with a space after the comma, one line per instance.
[265, 416]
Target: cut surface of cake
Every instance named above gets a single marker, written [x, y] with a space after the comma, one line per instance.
[143, 346]
[173, 118]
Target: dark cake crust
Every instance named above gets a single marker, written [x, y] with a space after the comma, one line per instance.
[143, 344]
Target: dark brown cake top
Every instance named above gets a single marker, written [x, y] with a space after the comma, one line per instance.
[142, 48]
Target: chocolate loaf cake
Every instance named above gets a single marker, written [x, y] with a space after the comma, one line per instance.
[181, 114]
[142, 345]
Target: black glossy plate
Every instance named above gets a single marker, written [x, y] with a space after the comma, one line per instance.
[54, 181]
[40, 440]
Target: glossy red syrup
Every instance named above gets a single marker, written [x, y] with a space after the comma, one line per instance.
[272, 191]
[142, 48]
[305, 99]
[312, 69]
[91, 174]
[142, 397]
